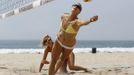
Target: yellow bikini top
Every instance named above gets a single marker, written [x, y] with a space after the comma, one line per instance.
[69, 29]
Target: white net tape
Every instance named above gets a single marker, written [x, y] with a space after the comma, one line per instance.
[13, 7]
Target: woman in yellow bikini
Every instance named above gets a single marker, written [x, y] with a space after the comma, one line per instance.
[47, 41]
[66, 37]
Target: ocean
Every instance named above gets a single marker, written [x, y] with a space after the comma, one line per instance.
[31, 46]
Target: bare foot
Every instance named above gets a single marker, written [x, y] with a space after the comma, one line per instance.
[90, 71]
[63, 71]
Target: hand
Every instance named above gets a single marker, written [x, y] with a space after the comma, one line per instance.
[45, 62]
[94, 18]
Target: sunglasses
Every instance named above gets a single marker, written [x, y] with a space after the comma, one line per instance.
[49, 39]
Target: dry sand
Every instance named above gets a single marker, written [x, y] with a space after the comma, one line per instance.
[105, 64]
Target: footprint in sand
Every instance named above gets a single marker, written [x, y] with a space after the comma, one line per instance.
[45, 69]
[1, 67]
[69, 73]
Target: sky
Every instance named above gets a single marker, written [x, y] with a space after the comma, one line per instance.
[116, 21]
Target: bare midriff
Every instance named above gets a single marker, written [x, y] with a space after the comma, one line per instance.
[67, 39]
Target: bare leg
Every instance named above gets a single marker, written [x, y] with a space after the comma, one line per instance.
[64, 56]
[63, 68]
[56, 51]
[72, 66]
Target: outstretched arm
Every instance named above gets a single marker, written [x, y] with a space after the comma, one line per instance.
[44, 59]
[83, 23]
[45, 56]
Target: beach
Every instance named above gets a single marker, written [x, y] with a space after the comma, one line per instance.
[104, 63]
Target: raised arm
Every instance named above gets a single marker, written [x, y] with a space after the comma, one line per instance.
[83, 23]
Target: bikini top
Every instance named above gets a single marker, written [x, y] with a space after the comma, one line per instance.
[69, 29]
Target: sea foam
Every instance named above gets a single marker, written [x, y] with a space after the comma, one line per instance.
[76, 50]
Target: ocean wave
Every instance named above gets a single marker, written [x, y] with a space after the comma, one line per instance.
[76, 50]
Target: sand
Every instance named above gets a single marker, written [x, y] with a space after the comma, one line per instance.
[105, 64]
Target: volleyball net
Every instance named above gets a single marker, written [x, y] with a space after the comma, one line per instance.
[12, 7]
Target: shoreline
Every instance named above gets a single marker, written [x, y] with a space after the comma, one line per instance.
[76, 50]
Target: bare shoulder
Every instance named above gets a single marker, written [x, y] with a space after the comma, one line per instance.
[78, 22]
[65, 15]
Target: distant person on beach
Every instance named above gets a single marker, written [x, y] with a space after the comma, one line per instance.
[66, 37]
[48, 43]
